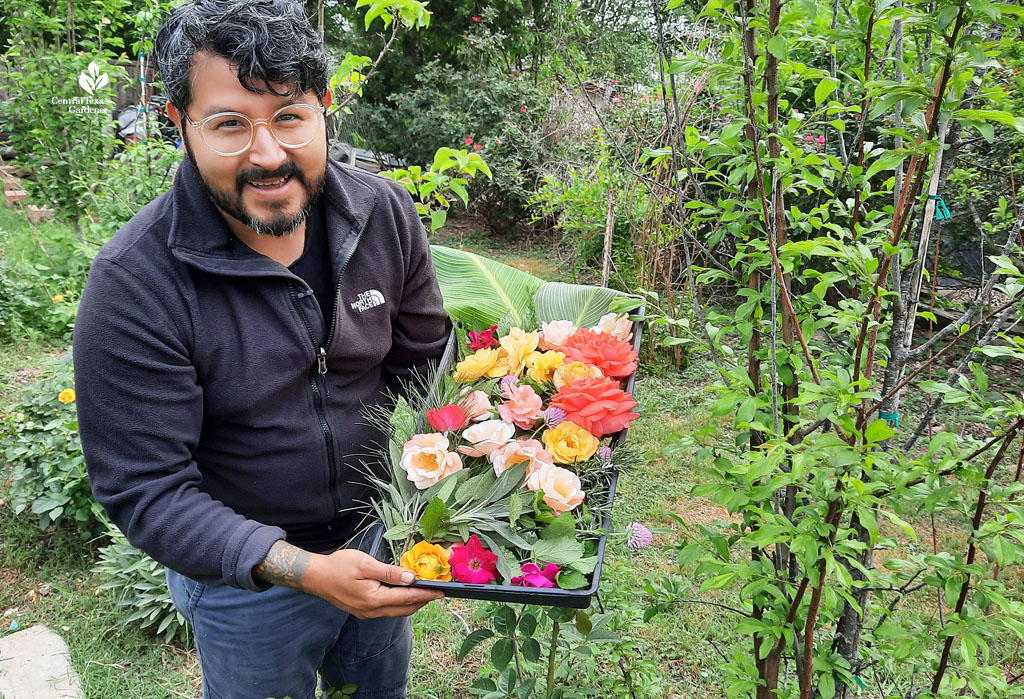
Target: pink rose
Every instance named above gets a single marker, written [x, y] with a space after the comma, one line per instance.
[562, 488]
[533, 576]
[522, 406]
[426, 459]
[554, 334]
[486, 436]
[477, 405]
[447, 419]
[528, 450]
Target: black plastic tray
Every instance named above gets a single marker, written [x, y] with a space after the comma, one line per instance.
[510, 594]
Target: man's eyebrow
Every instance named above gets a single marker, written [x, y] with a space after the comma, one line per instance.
[285, 102]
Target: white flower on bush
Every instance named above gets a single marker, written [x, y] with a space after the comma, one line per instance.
[554, 334]
[562, 488]
[618, 326]
[426, 459]
[486, 436]
[516, 452]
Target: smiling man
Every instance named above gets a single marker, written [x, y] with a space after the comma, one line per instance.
[228, 338]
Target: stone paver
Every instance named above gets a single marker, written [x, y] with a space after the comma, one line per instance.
[34, 664]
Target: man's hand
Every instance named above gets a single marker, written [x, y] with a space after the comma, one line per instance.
[349, 579]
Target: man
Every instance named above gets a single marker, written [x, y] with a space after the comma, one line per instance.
[228, 338]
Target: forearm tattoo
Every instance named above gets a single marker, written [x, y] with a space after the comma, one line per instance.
[284, 565]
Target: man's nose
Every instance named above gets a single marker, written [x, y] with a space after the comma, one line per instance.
[266, 152]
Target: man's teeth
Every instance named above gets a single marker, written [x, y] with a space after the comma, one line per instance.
[272, 183]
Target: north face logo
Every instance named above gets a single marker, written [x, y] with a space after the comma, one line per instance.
[367, 300]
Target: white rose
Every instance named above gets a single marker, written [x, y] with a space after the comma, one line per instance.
[477, 405]
[618, 326]
[554, 334]
[486, 436]
[562, 488]
[426, 459]
[529, 450]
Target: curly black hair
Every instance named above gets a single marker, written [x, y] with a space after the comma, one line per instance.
[270, 41]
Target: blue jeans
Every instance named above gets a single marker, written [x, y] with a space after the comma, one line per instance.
[258, 645]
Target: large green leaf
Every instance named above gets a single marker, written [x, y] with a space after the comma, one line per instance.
[479, 292]
[583, 305]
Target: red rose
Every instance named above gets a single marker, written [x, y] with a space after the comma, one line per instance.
[613, 357]
[597, 405]
[483, 339]
[448, 419]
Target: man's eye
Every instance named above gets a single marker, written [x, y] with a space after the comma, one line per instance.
[229, 124]
[288, 118]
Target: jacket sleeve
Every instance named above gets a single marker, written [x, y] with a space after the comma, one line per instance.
[420, 329]
[140, 414]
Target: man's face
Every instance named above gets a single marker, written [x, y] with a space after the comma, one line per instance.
[245, 186]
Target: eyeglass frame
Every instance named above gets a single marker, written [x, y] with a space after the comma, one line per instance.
[198, 125]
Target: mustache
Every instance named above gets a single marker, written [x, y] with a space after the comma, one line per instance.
[288, 168]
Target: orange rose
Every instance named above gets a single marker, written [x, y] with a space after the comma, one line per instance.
[597, 405]
[613, 357]
[428, 561]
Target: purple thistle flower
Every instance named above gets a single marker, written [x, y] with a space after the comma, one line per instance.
[604, 455]
[553, 417]
[640, 537]
[508, 382]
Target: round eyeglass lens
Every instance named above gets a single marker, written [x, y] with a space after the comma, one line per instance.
[293, 126]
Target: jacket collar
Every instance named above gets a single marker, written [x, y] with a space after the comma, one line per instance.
[199, 235]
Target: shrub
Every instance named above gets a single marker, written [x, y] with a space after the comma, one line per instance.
[140, 588]
[44, 454]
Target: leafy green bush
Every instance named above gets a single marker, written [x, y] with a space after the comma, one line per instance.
[44, 454]
[140, 588]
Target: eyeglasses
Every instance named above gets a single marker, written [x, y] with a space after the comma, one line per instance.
[231, 133]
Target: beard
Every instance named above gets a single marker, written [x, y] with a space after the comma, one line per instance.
[279, 223]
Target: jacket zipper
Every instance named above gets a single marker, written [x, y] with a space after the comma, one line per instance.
[321, 362]
[320, 372]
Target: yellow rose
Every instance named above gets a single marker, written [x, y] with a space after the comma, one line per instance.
[569, 443]
[66, 396]
[518, 344]
[543, 364]
[477, 365]
[428, 561]
[566, 374]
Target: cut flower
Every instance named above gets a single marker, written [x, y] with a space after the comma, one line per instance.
[569, 443]
[483, 339]
[426, 459]
[613, 357]
[486, 436]
[483, 362]
[472, 563]
[529, 450]
[533, 576]
[562, 488]
[597, 405]
[448, 419]
[428, 562]
[522, 407]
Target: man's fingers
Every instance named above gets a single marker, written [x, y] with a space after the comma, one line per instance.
[391, 575]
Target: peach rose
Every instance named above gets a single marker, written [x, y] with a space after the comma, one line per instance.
[518, 345]
[486, 436]
[476, 404]
[562, 488]
[528, 450]
[522, 406]
[566, 374]
[426, 459]
[554, 334]
[618, 326]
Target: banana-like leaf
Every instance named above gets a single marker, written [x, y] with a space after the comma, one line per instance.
[583, 305]
[479, 292]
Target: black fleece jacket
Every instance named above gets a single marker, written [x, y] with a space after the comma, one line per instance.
[212, 421]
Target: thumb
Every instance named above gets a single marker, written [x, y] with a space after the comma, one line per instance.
[388, 574]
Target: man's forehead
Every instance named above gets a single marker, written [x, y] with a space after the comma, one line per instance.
[214, 79]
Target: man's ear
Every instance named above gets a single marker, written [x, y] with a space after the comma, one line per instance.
[174, 115]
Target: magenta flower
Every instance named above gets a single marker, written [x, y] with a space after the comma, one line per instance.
[469, 141]
[533, 576]
[640, 537]
[616, 100]
[477, 146]
[475, 18]
[522, 109]
[483, 339]
[472, 563]
[820, 140]
[809, 139]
